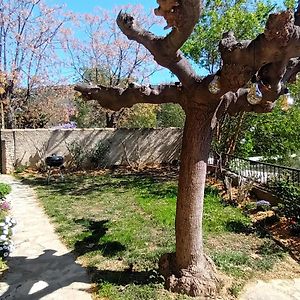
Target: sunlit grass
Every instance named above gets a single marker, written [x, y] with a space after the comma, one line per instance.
[118, 226]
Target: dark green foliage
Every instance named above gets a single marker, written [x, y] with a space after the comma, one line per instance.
[290, 197]
[78, 154]
[5, 189]
[98, 154]
[276, 134]
[170, 115]
[246, 18]
[83, 157]
[89, 114]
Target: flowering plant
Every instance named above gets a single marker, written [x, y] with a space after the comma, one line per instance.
[5, 205]
[69, 125]
[7, 224]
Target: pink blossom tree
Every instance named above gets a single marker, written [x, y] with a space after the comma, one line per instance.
[105, 56]
[31, 37]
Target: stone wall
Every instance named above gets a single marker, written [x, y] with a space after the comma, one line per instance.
[30, 147]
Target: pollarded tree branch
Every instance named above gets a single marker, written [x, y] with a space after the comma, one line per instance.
[292, 69]
[235, 102]
[117, 98]
[182, 17]
[269, 56]
[277, 45]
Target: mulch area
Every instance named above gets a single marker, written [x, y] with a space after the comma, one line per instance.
[281, 233]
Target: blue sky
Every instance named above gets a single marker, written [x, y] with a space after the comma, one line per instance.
[88, 6]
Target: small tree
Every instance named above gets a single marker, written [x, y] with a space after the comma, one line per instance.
[270, 60]
[30, 32]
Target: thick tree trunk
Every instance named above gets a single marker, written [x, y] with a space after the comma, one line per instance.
[190, 271]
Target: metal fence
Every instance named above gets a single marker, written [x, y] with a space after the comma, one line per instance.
[261, 172]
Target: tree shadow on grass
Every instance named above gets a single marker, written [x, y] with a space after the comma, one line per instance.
[128, 276]
[259, 228]
[239, 227]
[84, 184]
[92, 242]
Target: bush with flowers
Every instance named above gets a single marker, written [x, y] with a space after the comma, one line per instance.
[7, 223]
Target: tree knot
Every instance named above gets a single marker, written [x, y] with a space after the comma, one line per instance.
[169, 10]
[125, 18]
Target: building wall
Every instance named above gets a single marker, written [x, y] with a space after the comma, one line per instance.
[30, 147]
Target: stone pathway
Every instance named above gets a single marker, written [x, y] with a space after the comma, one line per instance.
[41, 267]
[276, 289]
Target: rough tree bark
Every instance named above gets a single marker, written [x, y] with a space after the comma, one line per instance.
[272, 57]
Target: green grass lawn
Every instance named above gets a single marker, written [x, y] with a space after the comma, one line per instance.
[118, 226]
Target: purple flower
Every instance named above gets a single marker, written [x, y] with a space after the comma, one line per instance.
[70, 125]
[5, 205]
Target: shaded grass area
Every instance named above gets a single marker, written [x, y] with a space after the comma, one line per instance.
[119, 226]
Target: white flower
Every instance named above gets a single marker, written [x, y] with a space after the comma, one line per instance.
[3, 237]
[5, 232]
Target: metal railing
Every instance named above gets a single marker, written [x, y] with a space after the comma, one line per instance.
[260, 171]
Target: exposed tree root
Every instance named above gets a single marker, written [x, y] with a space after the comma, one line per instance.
[204, 282]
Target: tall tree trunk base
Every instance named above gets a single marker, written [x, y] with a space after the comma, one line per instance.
[203, 282]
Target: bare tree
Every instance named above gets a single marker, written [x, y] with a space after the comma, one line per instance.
[270, 60]
[107, 57]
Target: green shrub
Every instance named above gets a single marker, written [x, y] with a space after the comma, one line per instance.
[20, 169]
[5, 189]
[78, 154]
[98, 154]
[290, 197]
